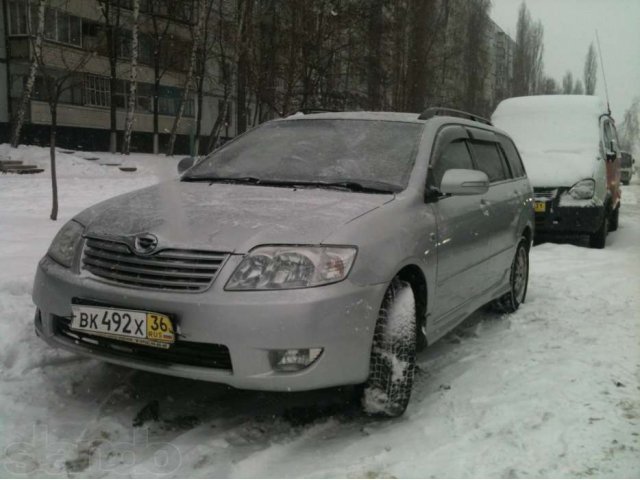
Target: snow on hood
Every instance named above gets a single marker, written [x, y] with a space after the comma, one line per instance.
[230, 218]
[557, 135]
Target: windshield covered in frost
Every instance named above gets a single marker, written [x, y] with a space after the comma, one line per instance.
[370, 154]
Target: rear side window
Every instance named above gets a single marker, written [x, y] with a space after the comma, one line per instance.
[515, 162]
[455, 155]
[489, 161]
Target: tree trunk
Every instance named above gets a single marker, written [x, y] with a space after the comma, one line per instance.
[28, 88]
[53, 107]
[156, 106]
[111, 15]
[133, 85]
[187, 84]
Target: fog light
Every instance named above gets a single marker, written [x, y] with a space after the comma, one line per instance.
[294, 359]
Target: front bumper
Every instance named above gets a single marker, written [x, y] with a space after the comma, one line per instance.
[569, 220]
[338, 318]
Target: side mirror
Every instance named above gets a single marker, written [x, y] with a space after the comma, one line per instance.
[458, 181]
[185, 164]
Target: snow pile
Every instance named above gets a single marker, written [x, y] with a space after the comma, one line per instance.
[557, 135]
[551, 391]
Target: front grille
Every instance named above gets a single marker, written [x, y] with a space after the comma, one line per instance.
[545, 193]
[209, 355]
[168, 269]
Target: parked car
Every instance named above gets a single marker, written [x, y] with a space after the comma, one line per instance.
[570, 148]
[627, 166]
[313, 251]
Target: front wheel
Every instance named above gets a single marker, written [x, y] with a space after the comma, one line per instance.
[599, 238]
[518, 282]
[393, 354]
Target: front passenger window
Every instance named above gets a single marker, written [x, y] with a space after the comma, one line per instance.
[490, 161]
[455, 155]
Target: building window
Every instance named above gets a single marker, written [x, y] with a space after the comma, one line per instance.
[97, 91]
[19, 16]
[169, 102]
[62, 27]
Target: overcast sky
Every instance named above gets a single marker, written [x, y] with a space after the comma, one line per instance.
[569, 27]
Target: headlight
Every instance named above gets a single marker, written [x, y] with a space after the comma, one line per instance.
[286, 267]
[583, 190]
[64, 245]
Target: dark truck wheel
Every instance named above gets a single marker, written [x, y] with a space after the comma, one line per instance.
[519, 280]
[599, 238]
[393, 354]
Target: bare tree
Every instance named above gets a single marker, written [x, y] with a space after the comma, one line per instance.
[111, 15]
[195, 47]
[54, 82]
[549, 86]
[567, 83]
[226, 62]
[528, 54]
[423, 21]
[629, 129]
[590, 71]
[476, 56]
[133, 79]
[33, 68]
[578, 89]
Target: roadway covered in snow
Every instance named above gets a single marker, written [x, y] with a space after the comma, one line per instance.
[551, 391]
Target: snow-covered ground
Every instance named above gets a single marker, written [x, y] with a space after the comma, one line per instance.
[551, 391]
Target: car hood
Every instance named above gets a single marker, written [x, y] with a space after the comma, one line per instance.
[228, 217]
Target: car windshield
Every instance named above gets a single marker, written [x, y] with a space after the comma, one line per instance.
[368, 154]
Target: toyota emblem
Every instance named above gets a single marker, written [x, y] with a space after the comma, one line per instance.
[145, 243]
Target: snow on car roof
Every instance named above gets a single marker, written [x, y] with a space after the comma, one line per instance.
[574, 104]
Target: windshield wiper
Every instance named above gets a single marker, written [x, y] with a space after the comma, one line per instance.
[213, 179]
[364, 186]
[359, 186]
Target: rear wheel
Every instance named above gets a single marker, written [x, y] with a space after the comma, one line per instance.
[519, 281]
[393, 354]
[599, 238]
[613, 221]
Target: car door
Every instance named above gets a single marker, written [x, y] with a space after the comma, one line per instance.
[502, 202]
[460, 220]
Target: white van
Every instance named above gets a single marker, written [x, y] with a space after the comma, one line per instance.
[569, 147]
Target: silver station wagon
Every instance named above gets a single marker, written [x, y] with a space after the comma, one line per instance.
[313, 251]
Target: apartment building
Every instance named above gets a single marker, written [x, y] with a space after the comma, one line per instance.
[75, 41]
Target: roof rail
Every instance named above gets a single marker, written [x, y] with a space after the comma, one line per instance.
[443, 111]
[310, 110]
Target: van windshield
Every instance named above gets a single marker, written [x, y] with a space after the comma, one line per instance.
[369, 153]
[558, 148]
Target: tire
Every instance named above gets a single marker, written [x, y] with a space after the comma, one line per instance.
[613, 221]
[626, 182]
[393, 354]
[518, 281]
[599, 238]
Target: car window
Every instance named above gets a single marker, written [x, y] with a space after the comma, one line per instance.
[454, 155]
[489, 161]
[513, 157]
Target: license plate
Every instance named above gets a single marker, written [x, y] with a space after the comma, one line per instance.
[539, 207]
[134, 326]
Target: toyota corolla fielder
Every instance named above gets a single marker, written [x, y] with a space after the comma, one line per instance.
[313, 251]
